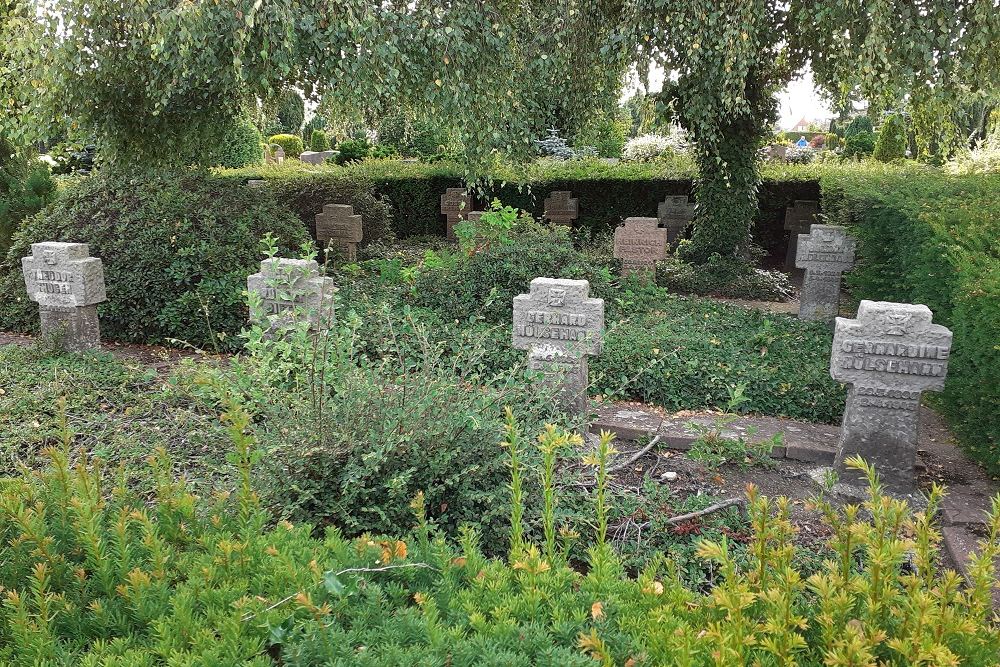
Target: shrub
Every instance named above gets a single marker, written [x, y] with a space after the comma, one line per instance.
[606, 133]
[727, 277]
[238, 147]
[649, 147]
[25, 187]
[291, 112]
[317, 122]
[800, 154]
[291, 143]
[319, 141]
[859, 145]
[352, 150]
[94, 575]
[859, 125]
[555, 147]
[174, 248]
[891, 142]
[818, 141]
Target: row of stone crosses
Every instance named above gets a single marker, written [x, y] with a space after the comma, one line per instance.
[888, 354]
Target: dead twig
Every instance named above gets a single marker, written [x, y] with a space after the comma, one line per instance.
[635, 457]
[681, 518]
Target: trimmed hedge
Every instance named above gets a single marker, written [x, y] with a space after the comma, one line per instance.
[926, 237]
[608, 193]
[173, 248]
[291, 143]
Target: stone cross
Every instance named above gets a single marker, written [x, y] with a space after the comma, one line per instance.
[640, 243]
[888, 354]
[798, 218]
[675, 214]
[339, 227]
[562, 208]
[560, 325]
[474, 216]
[825, 253]
[455, 205]
[291, 291]
[67, 284]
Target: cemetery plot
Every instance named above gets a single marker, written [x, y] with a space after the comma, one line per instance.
[799, 217]
[640, 243]
[561, 208]
[825, 253]
[675, 213]
[339, 227]
[455, 205]
[288, 291]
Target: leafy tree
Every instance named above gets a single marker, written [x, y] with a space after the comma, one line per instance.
[726, 59]
[151, 76]
[891, 142]
[859, 125]
[290, 114]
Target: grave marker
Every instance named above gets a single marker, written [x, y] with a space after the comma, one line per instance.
[560, 325]
[455, 205]
[889, 354]
[825, 253]
[67, 284]
[675, 214]
[640, 243]
[339, 227]
[290, 291]
[561, 208]
[798, 219]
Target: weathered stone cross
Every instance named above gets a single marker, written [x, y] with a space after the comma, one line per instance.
[675, 214]
[561, 208]
[455, 205]
[888, 355]
[66, 283]
[560, 325]
[287, 291]
[640, 243]
[338, 226]
[825, 253]
[798, 218]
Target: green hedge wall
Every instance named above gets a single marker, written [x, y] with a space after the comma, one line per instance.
[926, 237]
[608, 193]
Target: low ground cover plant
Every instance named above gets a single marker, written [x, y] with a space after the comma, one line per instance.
[94, 575]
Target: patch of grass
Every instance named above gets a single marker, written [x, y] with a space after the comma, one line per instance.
[118, 411]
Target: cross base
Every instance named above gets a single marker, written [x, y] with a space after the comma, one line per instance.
[72, 328]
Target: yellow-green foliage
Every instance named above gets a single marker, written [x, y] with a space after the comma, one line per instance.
[93, 576]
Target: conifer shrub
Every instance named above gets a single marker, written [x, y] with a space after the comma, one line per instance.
[94, 575]
[319, 141]
[239, 146]
[177, 250]
[25, 188]
[891, 142]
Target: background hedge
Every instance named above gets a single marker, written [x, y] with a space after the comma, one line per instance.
[608, 193]
[926, 237]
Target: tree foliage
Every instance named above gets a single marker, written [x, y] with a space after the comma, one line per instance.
[150, 76]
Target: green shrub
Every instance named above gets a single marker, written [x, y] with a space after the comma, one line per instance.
[891, 142]
[832, 141]
[239, 146]
[605, 133]
[305, 190]
[173, 248]
[290, 114]
[927, 237]
[859, 125]
[859, 145]
[93, 575]
[319, 141]
[352, 150]
[317, 122]
[291, 143]
[25, 187]
[727, 277]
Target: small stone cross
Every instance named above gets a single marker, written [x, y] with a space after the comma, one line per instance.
[798, 218]
[562, 208]
[675, 214]
[889, 354]
[338, 226]
[640, 243]
[825, 253]
[67, 284]
[560, 325]
[455, 205]
[290, 291]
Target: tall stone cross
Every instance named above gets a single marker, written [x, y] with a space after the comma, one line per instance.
[67, 284]
[561, 208]
[799, 217]
[675, 214]
[825, 253]
[560, 325]
[640, 243]
[287, 291]
[455, 205]
[889, 354]
[339, 227]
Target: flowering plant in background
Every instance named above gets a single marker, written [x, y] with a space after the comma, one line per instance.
[649, 147]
